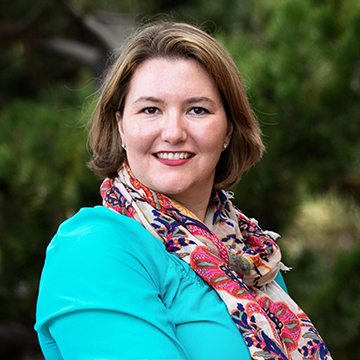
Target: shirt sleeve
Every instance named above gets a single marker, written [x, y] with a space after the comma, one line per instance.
[100, 270]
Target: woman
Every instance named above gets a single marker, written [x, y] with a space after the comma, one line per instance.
[168, 268]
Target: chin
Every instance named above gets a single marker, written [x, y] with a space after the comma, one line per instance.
[170, 187]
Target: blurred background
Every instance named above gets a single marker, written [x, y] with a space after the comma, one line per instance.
[300, 61]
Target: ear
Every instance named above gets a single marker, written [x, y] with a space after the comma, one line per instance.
[120, 124]
[230, 128]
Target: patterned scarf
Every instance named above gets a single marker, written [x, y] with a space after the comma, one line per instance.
[234, 256]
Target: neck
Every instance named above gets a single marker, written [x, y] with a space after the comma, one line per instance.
[198, 206]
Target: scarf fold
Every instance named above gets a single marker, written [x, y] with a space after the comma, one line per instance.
[232, 254]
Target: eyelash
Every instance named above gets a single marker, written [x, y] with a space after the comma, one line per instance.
[147, 110]
[152, 110]
[202, 110]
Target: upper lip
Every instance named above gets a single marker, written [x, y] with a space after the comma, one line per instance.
[173, 155]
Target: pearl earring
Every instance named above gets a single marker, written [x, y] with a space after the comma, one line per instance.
[123, 145]
[225, 145]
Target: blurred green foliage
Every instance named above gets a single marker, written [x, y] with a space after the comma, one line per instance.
[301, 65]
[43, 180]
[322, 245]
[300, 62]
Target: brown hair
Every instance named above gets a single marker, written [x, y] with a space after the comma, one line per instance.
[176, 41]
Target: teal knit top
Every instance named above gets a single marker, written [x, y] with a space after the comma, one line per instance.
[110, 290]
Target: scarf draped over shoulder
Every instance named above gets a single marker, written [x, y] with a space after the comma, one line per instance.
[234, 256]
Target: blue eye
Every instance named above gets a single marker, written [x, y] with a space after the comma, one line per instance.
[198, 111]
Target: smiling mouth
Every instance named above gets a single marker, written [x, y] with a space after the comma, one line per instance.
[173, 156]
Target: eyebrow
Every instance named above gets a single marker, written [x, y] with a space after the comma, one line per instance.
[200, 99]
[148, 98]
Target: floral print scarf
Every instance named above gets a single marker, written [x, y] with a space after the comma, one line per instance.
[234, 256]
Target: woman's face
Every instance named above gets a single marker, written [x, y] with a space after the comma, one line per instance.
[174, 126]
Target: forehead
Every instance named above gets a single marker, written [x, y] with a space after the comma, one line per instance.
[180, 76]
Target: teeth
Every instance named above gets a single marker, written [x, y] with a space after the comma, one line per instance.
[173, 156]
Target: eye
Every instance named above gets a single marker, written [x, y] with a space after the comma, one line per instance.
[198, 111]
[150, 110]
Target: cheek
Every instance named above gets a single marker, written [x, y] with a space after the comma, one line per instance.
[213, 138]
[139, 138]
[131, 131]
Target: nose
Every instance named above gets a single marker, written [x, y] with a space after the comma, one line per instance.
[174, 128]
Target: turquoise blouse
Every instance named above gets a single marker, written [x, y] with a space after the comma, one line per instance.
[110, 290]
